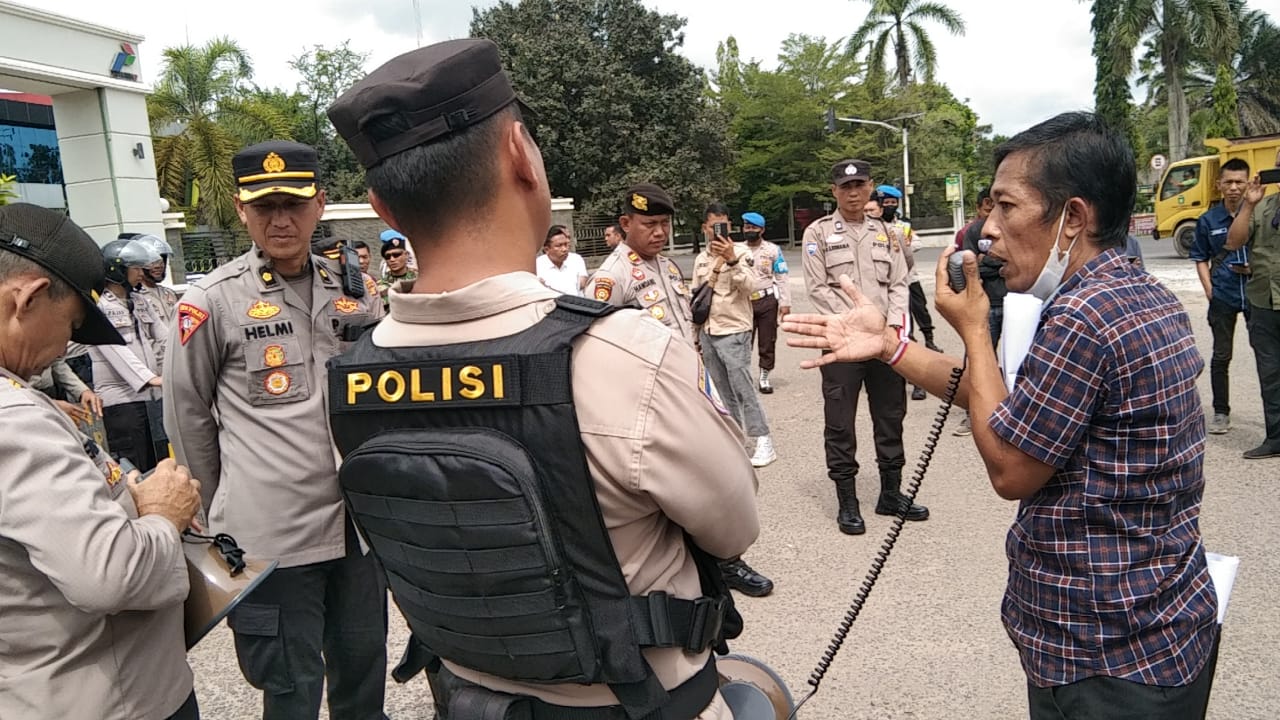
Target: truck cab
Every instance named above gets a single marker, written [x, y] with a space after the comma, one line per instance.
[1189, 187]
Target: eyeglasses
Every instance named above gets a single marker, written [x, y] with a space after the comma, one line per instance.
[394, 255]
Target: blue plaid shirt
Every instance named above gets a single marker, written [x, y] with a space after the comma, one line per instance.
[1107, 572]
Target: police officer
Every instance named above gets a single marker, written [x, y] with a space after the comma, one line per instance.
[621, 413]
[127, 376]
[771, 296]
[397, 263]
[889, 198]
[245, 409]
[92, 574]
[870, 252]
[637, 274]
[163, 300]
[371, 302]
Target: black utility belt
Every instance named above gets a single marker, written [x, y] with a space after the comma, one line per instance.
[458, 699]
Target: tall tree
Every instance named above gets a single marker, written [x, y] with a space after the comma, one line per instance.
[900, 23]
[202, 111]
[614, 101]
[1176, 28]
[1112, 99]
[326, 73]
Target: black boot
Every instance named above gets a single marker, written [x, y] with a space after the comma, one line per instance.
[739, 576]
[893, 502]
[928, 341]
[849, 518]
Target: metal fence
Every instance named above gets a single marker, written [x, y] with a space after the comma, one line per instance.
[204, 250]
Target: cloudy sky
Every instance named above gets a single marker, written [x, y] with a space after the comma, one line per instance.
[1020, 61]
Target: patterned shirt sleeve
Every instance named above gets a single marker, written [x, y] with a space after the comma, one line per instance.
[1060, 387]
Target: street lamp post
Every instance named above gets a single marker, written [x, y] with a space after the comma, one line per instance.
[906, 157]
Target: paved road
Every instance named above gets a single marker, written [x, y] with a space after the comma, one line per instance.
[929, 643]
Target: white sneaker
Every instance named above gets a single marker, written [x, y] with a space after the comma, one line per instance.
[765, 453]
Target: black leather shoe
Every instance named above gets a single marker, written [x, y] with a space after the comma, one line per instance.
[1262, 451]
[739, 576]
[893, 504]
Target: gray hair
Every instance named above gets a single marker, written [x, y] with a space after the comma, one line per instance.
[14, 266]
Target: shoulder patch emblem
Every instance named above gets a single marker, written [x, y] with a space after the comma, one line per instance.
[634, 257]
[811, 248]
[604, 289]
[263, 310]
[190, 318]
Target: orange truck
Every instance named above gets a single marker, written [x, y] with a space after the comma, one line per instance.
[1189, 187]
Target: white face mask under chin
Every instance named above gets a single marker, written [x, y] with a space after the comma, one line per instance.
[1055, 267]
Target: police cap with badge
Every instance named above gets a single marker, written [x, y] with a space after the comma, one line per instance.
[276, 166]
[553, 606]
[846, 171]
[648, 199]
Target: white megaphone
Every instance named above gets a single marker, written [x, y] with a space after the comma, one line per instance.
[752, 690]
[220, 578]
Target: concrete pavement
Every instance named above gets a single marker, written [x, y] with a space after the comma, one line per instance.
[929, 643]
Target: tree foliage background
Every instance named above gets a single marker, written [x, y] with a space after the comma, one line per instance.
[616, 102]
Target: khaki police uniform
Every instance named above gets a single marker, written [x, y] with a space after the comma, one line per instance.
[636, 435]
[870, 252]
[246, 409]
[90, 594]
[656, 286]
[161, 304]
[771, 292]
[121, 377]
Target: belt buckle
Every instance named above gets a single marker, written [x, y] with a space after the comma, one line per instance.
[708, 621]
[757, 295]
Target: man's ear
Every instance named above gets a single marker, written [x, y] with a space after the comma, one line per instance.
[384, 212]
[1079, 218]
[28, 291]
[244, 217]
[520, 148]
[624, 221]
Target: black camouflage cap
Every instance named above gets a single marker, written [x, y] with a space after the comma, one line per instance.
[276, 166]
[49, 239]
[422, 96]
[648, 199]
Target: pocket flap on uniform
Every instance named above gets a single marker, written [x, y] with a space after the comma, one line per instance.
[259, 620]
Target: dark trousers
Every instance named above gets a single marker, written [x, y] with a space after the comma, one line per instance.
[920, 312]
[1222, 321]
[305, 625]
[189, 710]
[1264, 336]
[887, 394]
[1108, 698]
[765, 324]
[129, 434]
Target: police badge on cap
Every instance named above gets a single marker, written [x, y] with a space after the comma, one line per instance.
[275, 166]
[648, 199]
[846, 171]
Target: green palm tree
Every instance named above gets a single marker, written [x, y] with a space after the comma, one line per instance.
[1176, 29]
[901, 22]
[203, 110]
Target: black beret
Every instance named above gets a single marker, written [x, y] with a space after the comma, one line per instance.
[276, 166]
[648, 199]
[422, 96]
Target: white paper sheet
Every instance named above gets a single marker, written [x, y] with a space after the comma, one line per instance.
[1222, 568]
[1021, 318]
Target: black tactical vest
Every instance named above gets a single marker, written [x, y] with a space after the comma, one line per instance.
[464, 470]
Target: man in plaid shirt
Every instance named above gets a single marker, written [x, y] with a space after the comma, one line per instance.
[1109, 599]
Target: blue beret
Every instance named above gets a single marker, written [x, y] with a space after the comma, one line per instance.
[889, 191]
[754, 219]
[389, 235]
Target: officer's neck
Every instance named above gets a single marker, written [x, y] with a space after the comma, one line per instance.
[463, 257]
[118, 290]
[851, 217]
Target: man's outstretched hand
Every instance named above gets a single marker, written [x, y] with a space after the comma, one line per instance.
[857, 334]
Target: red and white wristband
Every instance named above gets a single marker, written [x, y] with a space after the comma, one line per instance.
[904, 338]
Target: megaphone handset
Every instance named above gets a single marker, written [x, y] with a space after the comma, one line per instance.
[891, 539]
